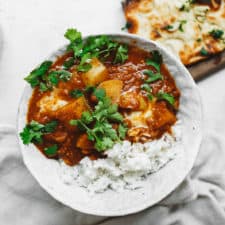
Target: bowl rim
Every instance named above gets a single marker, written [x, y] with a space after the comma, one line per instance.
[145, 205]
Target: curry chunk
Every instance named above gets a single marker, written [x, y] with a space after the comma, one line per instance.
[162, 116]
[97, 74]
[84, 143]
[133, 100]
[113, 89]
[72, 110]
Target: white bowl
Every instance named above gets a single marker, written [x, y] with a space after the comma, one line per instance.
[157, 185]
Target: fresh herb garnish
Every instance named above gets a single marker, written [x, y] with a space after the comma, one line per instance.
[76, 93]
[97, 123]
[204, 52]
[166, 96]
[127, 26]
[152, 76]
[47, 80]
[148, 89]
[51, 150]
[168, 27]
[35, 77]
[181, 25]
[216, 34]
[187, 5]
[155, 61]
[100, 47]
[68, 63]
[33, 132]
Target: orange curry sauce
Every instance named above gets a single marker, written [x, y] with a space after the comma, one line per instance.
[74, 145]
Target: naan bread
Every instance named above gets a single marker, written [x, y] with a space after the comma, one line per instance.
[192, 29]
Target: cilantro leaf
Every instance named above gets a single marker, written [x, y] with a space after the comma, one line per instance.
[73, 35]
[51, 126]
[121, 54]
[86, 117]
[76, 93]
[168, 27]
[152, 76]
[216, 33]
[37, 74]
[33, 132]
[52, 150]
[100, 47]
[99, 93]
[167, 97]
[127, 26]
[155, 61]
[181, 25]
[122, 130]
[68, 63]
[204, 52]
[146, 87]
[97, 123]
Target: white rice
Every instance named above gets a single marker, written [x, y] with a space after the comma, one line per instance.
[126, 165]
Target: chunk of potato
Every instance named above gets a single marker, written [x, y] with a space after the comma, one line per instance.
[97, 74]
[133, 100]
[162, 116]
[113, 89]
[73, 110]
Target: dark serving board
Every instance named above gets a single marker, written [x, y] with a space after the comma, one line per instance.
[205, 68]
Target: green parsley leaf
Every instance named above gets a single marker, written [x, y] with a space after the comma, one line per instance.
[51, 126]
[152, 76]
[121, 54]
[167, 97]
[146, 87]
[117, 117]
[168, 27]
[155, 61]
[99, 93]
[33, 132]
[72, 35]
[204, 52]
[84, 68]
[52, 150]
[68, 63]
[86, 117]
[181, 26]
[122, 130]
[216, 34]
[97, 123]
[76, 93]
[150, 96]
[100, 47]
[37, 74]
[187, 5]
[90, 89]
[127, 26]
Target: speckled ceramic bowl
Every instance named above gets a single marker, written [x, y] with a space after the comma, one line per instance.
[157, 185]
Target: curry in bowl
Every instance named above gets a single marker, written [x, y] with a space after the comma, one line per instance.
[98, 93]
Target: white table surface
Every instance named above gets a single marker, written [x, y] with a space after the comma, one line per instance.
[32, 29]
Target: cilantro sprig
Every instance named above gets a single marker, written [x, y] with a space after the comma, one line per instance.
[46, 79]
[216, 33]
[51, 150]
[98, 124]
[34, 131]
[100, 47]
[167, 97]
